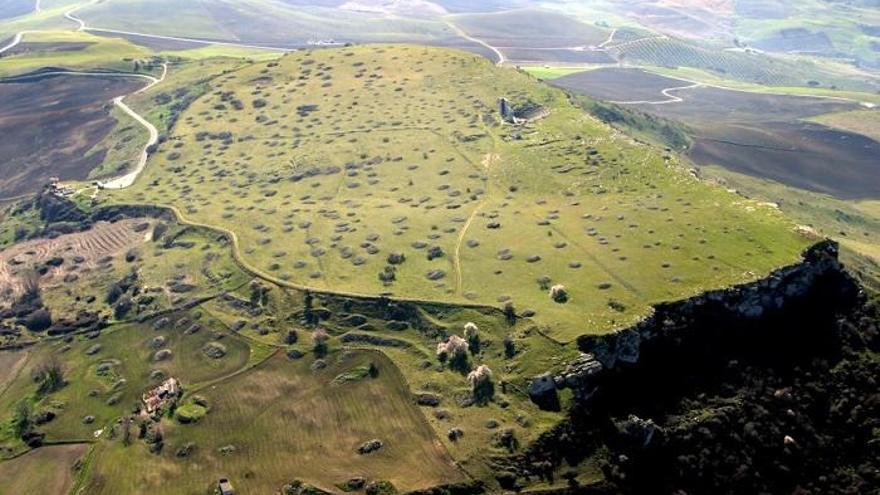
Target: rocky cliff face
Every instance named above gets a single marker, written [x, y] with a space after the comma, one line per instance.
[714, 323]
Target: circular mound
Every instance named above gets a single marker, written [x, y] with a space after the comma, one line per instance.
[190, 413]
[214, 350]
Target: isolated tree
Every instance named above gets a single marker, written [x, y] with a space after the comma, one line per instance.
[472, 335]
[259, 293]
[558, 293]
[21, 419]
[481, 383]
[454, 351]
[509, 313]
[39, 320]
[30, 285]
[308, 311]
[319, 338]
[49, 377]
[509, 347]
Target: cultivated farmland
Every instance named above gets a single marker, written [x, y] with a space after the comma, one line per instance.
[51, 131]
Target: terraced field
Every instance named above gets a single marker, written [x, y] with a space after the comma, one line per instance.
[325, 164]
[102, 240]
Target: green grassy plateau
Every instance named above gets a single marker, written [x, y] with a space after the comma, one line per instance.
[323, 163]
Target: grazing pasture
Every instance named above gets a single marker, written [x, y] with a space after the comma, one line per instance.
[11, 362]
[286, 420]
[50, 126]
[49, 470]
[326, 163]
[106, 376]
[75, 50]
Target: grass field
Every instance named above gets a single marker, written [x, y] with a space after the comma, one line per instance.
[856, 224]
[11, 362]
[865, 122]
[338, 182]
[286, 422]
[550, 73]
[413, 351]
[107, 381]
[75, 50]
[48, 470]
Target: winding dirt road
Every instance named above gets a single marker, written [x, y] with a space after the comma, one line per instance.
[671, 98]
[478, 41]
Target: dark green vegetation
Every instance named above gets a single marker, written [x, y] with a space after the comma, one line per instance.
[712, 412]
[50, 127]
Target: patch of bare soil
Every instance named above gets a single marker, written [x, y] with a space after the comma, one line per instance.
[68, 254]
[50, 125]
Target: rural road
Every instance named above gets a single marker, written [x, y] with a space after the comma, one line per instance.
[696, 84]
[671, 98]
[18, 36]
[609, 40]
[15, 41]
[478, 41]
[128, 179]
